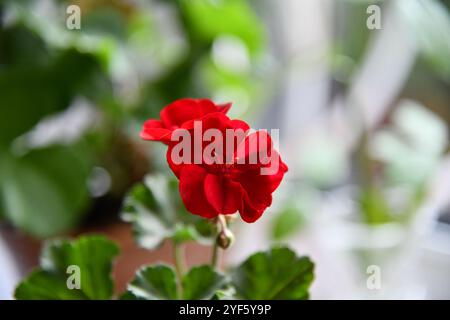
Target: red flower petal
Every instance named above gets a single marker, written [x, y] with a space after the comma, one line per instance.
[249, 213]
[239, 124]
[176, 168]
[216, 120]
[224, 195]
[176, 113]
[182, 110]
[237, 182]
[154, 130]
[258, 187]
[192, 179]
[255, 150]
[207, 106]
[224, 107]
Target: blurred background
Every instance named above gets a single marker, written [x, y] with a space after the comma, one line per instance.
[363, 109]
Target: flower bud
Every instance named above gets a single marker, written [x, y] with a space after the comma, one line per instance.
[225, 238]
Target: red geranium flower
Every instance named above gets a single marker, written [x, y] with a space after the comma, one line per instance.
[224, 182]
[175, 114]
[210, 188]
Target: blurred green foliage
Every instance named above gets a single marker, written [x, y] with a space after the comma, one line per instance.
[94, 257]
[43, 190]
[208, 20]
[157, 213]
[409, 151]
[274, 274]
[429, 20]
[128, 60]
[287, 222]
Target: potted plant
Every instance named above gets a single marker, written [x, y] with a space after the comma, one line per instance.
[211, 190]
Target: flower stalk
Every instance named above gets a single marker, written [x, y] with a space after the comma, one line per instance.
[179, 266]
[215, 255]
[224, 239]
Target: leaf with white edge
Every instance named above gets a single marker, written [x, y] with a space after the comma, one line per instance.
[44, 285]
[157, 213]
[228, 293]
[202, 283]
[93, 255]
[159, 282]
[153, 283]
[277, 274]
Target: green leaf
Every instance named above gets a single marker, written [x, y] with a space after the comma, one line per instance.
[210, 19]
[429, 22]
[276, 274]
[92, 254]
[20, 45]
[44, 285]
[153, 283]
[44, 192]
[374, 207]
[202, 283]
[107, 20]
[287, 223]
[160, 283]
[31, 92]
[227, 293]
[184, 233]
[157, 213]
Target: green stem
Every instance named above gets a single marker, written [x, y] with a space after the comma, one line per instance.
[179, 267]
[221, 225]
[215, 255]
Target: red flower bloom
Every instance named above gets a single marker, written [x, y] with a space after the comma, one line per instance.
[177, 113]
[223, 181]
[225, 187]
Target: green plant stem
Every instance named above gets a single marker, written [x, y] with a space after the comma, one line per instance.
[179, 266]
[221, 225]
[215, 255]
